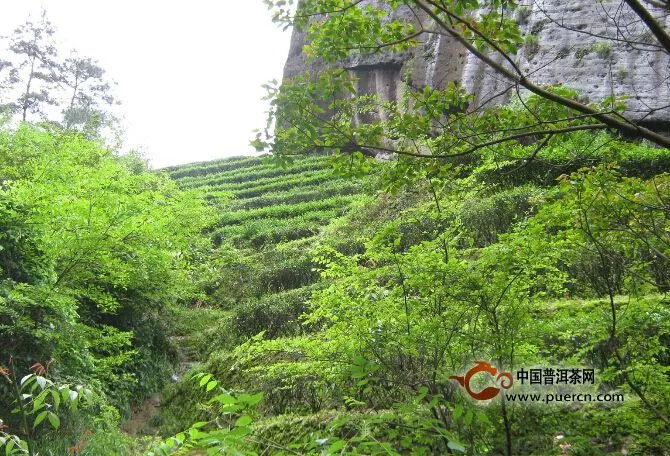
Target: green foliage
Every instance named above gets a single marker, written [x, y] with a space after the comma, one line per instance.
[298, 195]
[325, 111]
[412, 290]
[212, 176]
[198, 169]
[276, 315]
[251, 188]
[227, 430]
[603, 49]
[337, 320]
[613, 228]
[463, 259]
[571, 153]
[355, 432]
[285, 210]
[531, 44]
[94, 251]
[581, 53]
[37, 78]
[504, 236]
[522, 13]
[486, 217]
[36, 400]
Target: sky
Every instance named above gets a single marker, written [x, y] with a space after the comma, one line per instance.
[189, 73]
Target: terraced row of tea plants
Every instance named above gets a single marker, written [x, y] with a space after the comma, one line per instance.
[328, 298]
[264, 204]
[271, 220]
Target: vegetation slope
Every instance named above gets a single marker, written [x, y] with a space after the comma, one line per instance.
[301, 310]
[347, 304]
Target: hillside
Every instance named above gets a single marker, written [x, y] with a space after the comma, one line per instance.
[270, 219]
[456, 242]
[299, 309]
[268, 204]
[325, 290]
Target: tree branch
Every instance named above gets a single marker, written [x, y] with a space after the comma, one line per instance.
[651, 22]
[623, 126]
[355, 146]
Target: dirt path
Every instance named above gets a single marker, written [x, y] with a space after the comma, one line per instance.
[139, 422]
[141, 416]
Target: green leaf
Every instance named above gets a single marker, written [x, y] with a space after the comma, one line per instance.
[56, 398]
[211, 385]
[40, 418]
[224, 398]
[337, 446]
[240, 431]
[244, 420]
[456, 446]
[458, 411]
[54, 420]
[10, 447]
[254, 399]
[469, 415]
[205, 379]
[39, 400]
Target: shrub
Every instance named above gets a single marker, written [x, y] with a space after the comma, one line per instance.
[531, 45]
[603, 49]
[522, 14]
[277, 314]
[486, 218]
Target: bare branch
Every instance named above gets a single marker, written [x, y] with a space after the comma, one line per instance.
[611, 121]
[652, 23]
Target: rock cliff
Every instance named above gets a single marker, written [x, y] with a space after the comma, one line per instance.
[577, 43]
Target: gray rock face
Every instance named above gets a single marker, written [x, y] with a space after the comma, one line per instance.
[566, 43]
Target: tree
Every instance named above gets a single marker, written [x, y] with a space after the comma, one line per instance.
[322, 111]
[36, 78]
[85, 83]
[4, 64]
[92, 249]
[36, 73]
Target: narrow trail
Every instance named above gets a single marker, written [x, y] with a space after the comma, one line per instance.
[141, 416]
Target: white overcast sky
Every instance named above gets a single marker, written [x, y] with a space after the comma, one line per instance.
[188, 72]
